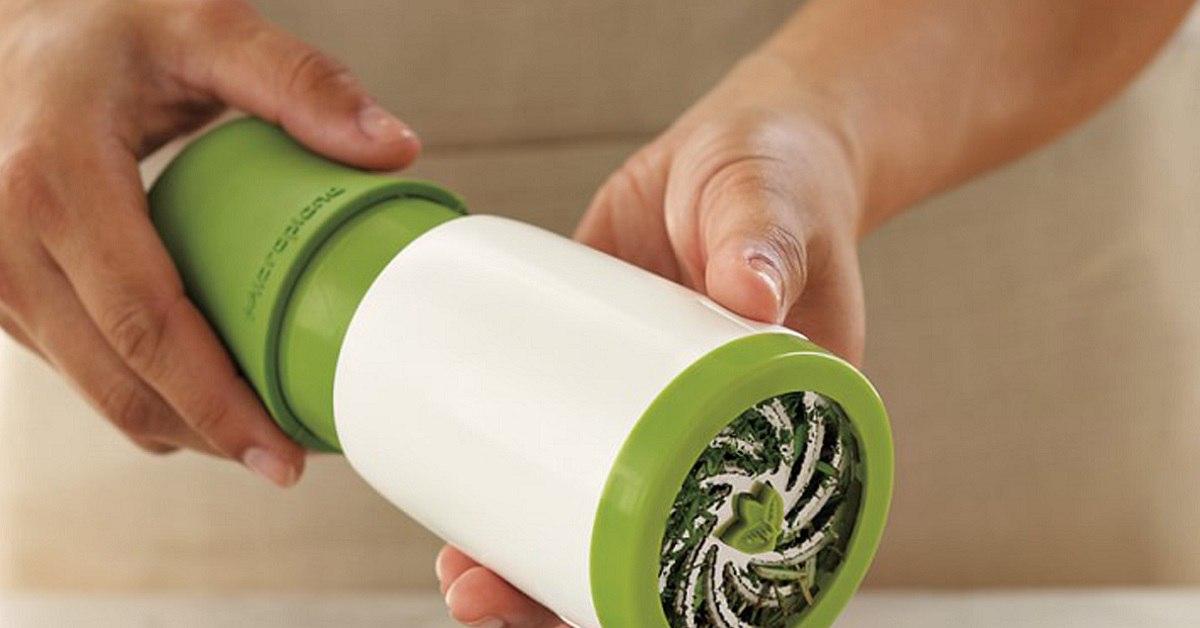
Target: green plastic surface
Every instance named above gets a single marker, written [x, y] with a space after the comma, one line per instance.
[675, 429]
[759, 519]
[327, 294]
[277, 246]
[242, 210]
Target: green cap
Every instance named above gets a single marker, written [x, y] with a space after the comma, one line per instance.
[277, 246]
[661, 450]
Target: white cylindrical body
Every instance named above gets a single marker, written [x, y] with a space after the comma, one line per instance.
[489, 378]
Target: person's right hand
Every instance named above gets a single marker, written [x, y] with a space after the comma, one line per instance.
[753, 198]
[91, 86]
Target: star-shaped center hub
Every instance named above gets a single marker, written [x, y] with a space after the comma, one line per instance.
[757, 520]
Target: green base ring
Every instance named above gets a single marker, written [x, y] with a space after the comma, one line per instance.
[660, 451]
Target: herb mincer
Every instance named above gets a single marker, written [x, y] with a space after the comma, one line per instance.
[621, 448]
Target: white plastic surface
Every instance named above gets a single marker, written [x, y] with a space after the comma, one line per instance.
[491, 375]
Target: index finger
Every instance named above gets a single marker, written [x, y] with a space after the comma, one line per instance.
[104, 243]
[479, 596]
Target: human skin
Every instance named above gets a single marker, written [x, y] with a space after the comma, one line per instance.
[91, 86]
[757, 195]
[854, 110]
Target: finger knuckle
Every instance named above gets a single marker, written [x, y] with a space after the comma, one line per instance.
[210, 416]
[136, 332]
[637, 181]
[754, 180]
[791, 249]
[311, 70]
[745, 176]
[132, 409]
[749, 179]
[24, 184]
[627, 185]
[28, 199]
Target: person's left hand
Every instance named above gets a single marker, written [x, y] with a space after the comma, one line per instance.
[87, 89]
[752, 198]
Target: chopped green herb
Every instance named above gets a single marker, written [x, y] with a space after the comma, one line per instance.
[762, 520]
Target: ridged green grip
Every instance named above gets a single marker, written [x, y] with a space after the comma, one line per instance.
[327, 294]
[242, 211]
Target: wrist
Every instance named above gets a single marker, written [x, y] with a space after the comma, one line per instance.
[834, 99]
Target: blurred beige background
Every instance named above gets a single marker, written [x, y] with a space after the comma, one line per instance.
[1036, 333]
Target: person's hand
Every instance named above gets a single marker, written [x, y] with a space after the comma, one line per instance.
[758, 194]
[752, 197]
[89, 87]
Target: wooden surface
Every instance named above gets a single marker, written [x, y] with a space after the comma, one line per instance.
[1050, 609]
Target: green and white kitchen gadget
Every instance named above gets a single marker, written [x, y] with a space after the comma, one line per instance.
[619, 447]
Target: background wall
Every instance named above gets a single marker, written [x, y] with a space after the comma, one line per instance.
[1035, 333]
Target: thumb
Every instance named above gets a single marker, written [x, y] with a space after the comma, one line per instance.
[255, 66]
[754, 252]
[761, 263]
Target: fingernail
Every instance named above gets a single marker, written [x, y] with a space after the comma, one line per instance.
[772, 277]
[382, 126]
[269, 466]
[443, 586]
[448, 596]
[489, 622]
